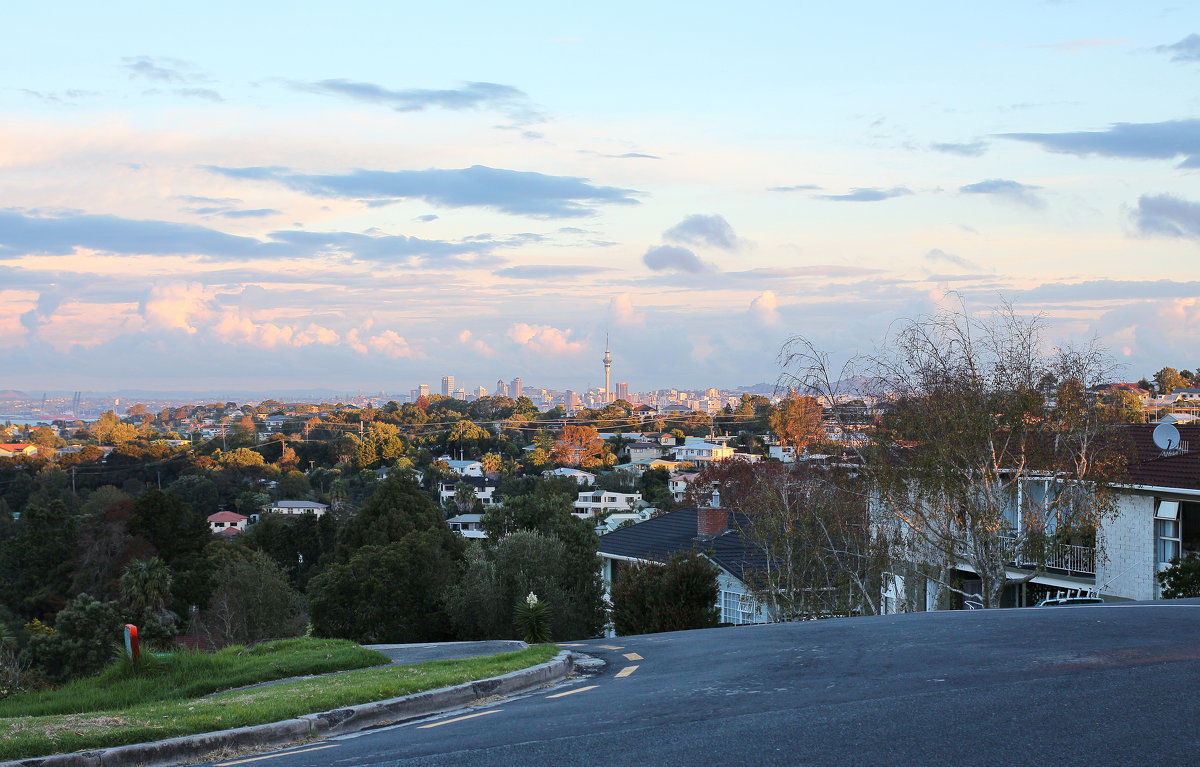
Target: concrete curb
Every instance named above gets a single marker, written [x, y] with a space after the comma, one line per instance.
[197, 748]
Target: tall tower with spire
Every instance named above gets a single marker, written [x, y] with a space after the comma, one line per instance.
[607, 370]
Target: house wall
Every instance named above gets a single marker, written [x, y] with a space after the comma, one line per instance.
[732, 597]
[1127, 568]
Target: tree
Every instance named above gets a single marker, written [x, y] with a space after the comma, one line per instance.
[577, 446]
[198, 492]
[252, 601]
[396, 509]
[1168, 380]
[36, 563]
[797, 421]
[389, 593]
[679, 595]
[146, 591]
[811, 533]
[108, 429]
[83, 641]
[44, 436]
[1124, 406]
[969, 468]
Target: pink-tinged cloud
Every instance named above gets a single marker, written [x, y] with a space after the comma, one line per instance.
[622, 311]
[544, 339]
[764, 309]
[178, 306]
[480, 346]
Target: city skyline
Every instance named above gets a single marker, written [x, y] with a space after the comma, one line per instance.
[236, 197]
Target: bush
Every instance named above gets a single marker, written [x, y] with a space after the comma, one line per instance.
[680, 595]
[1182, 579]
[84, 640]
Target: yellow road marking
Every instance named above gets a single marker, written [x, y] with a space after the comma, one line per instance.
[572, 692]
[459, 719]
[626, 672]
[633, 656]
[609, 647]
[274, 756]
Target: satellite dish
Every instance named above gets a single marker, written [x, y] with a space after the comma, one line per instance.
[1166, 436]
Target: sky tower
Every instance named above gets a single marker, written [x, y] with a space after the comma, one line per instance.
[607, 369]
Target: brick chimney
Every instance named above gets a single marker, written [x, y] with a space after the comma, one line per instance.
[711, 519]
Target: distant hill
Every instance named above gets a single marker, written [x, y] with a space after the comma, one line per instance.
[13, 394]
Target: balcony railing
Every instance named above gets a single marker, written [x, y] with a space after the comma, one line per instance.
[1074, 560]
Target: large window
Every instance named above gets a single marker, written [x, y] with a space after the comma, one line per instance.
[735, 608]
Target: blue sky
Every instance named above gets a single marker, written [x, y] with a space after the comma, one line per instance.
[368, 195]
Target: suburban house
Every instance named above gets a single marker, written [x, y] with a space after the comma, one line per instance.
[467, 525]
[1157, 519]
[706, 530]
[484, 488]
[642, 451]
[700, 451]
[464, 468]
[296, 507]
[11, 449]
[227, 523]
[678, 485]
[581, 477]
[593, 503]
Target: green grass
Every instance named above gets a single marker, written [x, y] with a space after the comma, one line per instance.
[186, 675]
[25, 736]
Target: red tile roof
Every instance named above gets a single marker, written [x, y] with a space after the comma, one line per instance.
[226, 516]
[1149, 466]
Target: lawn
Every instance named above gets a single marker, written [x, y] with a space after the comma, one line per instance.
[121, 721]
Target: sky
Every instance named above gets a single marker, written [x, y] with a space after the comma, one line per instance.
[371, 195]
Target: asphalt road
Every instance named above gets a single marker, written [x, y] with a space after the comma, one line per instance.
[1106, 685]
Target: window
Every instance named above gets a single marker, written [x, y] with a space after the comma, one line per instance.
[1167, 510]
[1166, 534]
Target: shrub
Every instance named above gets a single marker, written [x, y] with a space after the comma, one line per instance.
[84, 640]
[1182, 579]
[680, 595]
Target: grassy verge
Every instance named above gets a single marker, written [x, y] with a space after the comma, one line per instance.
[27, 736]
[187, 675]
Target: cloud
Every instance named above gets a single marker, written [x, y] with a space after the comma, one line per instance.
[674, 258]
[178, 306]
[867, 194]
[972, 149]
[478, 345]
[509, 191]
[764, 309]
[207, 94]
[22, 234]
[162, 70]
[504, 98]
[1003, 188]
[550, 271]
[700, 229]
[816, 270]
[427, 218]
[544, 339]
[793, 188]
[622, 311]
[1167, 216]
[1108, 290]
[1186, 50]
[949, 258]
[1140, 141]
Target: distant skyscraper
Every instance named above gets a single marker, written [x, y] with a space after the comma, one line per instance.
[423, 390]
[501, 388]
[607, 371]
[515, 388]
[460, 393]
[447, 386]
[623, 390]
[412, 395]
[481, 392]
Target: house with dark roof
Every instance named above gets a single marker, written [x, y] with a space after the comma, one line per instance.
[710, 531]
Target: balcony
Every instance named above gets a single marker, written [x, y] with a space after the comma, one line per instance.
[1060, 557]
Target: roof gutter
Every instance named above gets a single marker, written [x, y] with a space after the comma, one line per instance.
[1162, 490]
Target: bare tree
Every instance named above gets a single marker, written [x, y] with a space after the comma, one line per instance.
[970, 467]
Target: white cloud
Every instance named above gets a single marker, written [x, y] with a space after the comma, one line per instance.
[622, 311]
[765, 308]
[178, 306]
[544, 339]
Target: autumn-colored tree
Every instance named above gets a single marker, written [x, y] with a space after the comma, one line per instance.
[797, 421]
[109, 430]
[576, 445]
[1168, 380]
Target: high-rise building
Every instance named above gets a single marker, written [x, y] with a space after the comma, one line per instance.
[623, 390]
[412, 395]
[515, 388]
[481, 392]
[501, 388]
[447, 386]
[423, 390]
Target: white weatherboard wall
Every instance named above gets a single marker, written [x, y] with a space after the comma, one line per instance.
[1127, 567]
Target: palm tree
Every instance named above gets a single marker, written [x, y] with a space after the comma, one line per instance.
[146, 586]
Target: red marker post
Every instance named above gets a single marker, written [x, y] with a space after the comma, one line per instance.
[131, 642]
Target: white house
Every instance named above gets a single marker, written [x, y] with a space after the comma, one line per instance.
[484, 489]
[464, 468]
[581, 477]
[227, 522]
[700, 451]
[467, 525]
[595, 502]
[296, 507]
